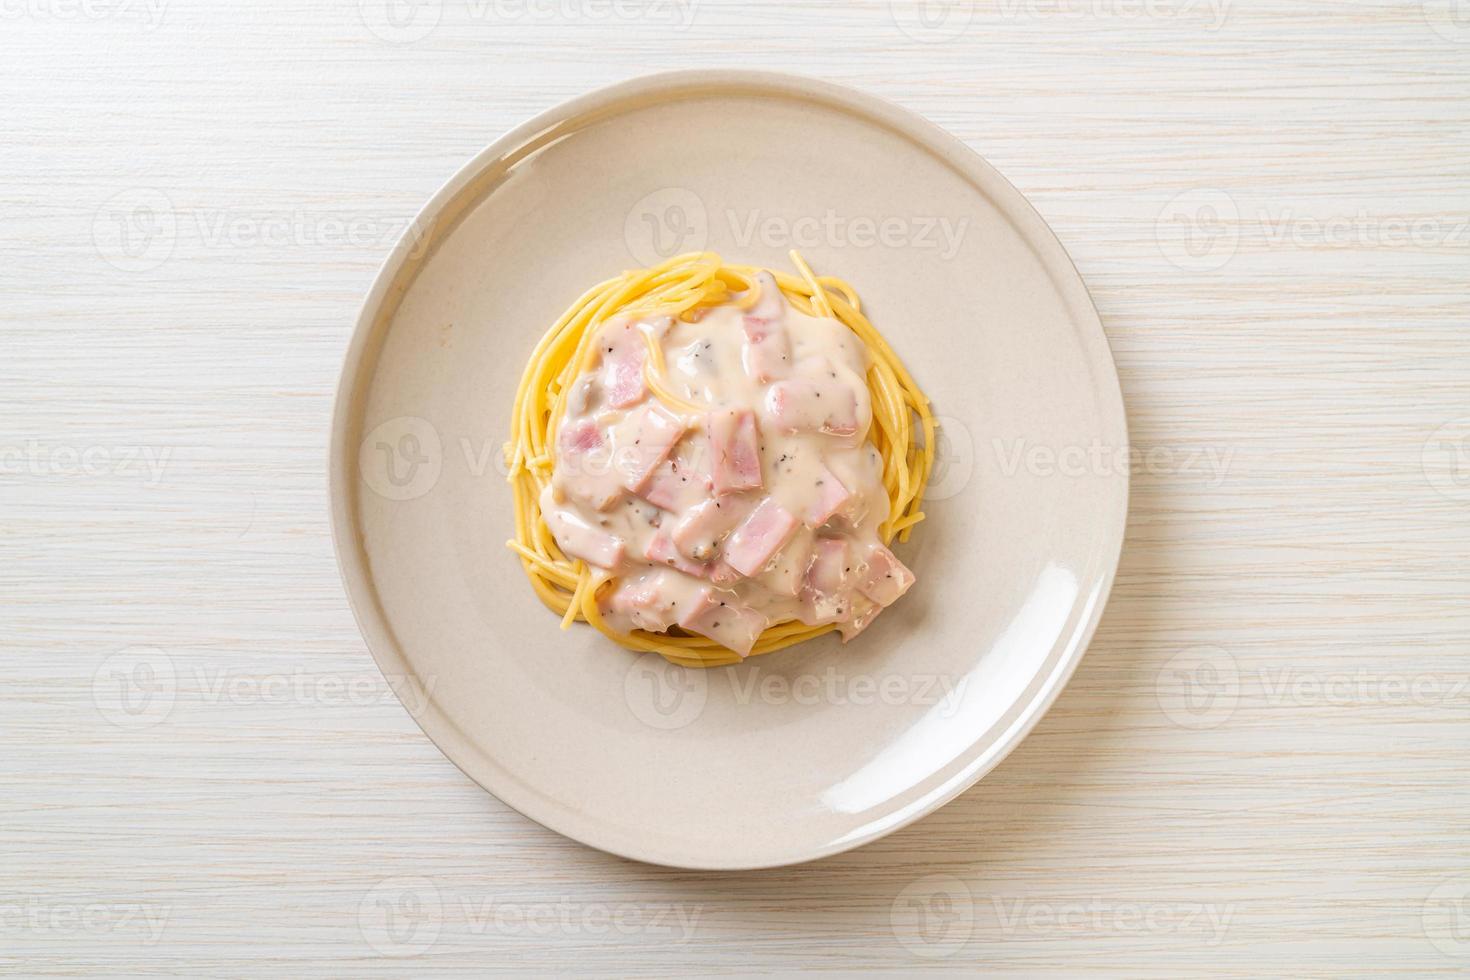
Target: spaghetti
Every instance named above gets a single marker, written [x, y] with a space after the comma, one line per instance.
[900, 430]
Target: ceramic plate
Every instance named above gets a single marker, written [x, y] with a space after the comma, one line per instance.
[805, 752]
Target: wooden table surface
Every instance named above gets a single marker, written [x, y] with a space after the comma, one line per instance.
[1263, 764]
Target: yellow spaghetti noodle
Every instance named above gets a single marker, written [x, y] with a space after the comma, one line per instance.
[902, 432]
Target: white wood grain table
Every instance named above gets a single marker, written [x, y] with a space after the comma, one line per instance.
[1263, 765]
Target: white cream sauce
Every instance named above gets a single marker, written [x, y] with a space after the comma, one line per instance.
[673, 545]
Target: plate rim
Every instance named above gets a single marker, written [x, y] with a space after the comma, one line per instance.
[342, 485]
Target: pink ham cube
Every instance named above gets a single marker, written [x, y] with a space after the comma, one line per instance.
[766, 353]
[829, 567]
[699, 532]
[734, 444]
[828, 496]
[662, 489]
[754, 542]
[623, 353]
[818, 398]
[676, 484]
[860, 617]
[661, 551]
[583, 468]
[722, 574]
[886, 578]
[787, 573]
[647, 602]
[826, 591]
[798, 405]
[581, 540]
[582, 436]
[644, 440]
[722, 617]
[769, 304]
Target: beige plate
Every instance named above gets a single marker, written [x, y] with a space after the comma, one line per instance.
[816, 749]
